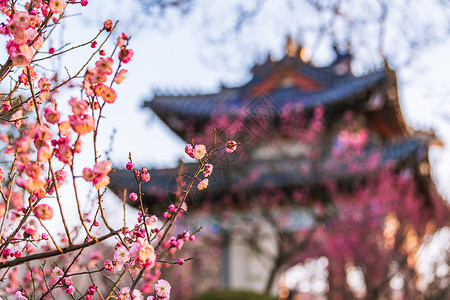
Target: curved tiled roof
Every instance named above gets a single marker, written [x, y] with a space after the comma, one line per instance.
[335, 89]
[279, 172]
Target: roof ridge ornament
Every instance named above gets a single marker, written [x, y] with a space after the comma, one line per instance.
[292, 48]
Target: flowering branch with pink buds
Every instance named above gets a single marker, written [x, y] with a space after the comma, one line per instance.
[37, 258]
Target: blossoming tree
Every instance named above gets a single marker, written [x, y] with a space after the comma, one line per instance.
[42, 149]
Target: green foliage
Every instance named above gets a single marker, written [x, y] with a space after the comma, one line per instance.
[233, 295]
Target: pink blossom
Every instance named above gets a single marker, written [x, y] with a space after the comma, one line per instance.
[125, 55]
[199, 151]
[57, 6]
[133, 197]
[51, 114]
[121, 40]
[108, 24]
[44, 83]
[189, 150]
[104, 65]
[103, 167]
[101, 181]
[57, 273]
[34, 171]
[145, 176]
[230, 146]
[152, 220]
[64, 154]
[64, 127]
[137, 295]
[79, 107]
[132, 268]
[43, 212]
[60, 176]
[98, 175]
[124, 293]
[207, 170]
[44, 153]
[21, 55]
[144, 252]
[82, 125]
[20, 296]
[162, 288]
[108, 94]
[129, 166]
[70, 290]
[91, 290]
[120, 76]
[31, 231]
[108, 265]
[203, 184]
[121, 255]
[21, 19]
[38, 43]
[43, 95]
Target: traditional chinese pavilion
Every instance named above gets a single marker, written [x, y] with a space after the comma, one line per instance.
[270, 159]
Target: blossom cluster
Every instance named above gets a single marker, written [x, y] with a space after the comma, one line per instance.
[42, 145]
[199, 152]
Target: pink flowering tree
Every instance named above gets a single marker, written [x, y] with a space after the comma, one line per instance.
[45, 248]
[363, 213]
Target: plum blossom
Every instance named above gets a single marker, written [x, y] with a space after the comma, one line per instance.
[43, 212]
[189, 150]
[104, 65]
[57, 273]
[133, 197]
[121, 255]
[145, 176]
[51, 114]
[120, 76]
[124, 294]
[137, 295]
[21, 55]
[207, 170]
[230, 146]
[109, 95]
[129, 166]
[203, 184]
[152, 220]
[132, 268]
[199, 151]
[99, 174]
[144, 252]
[57, 6]
[162, 288]
[108, 24]
[20, 296]
[125, 55]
